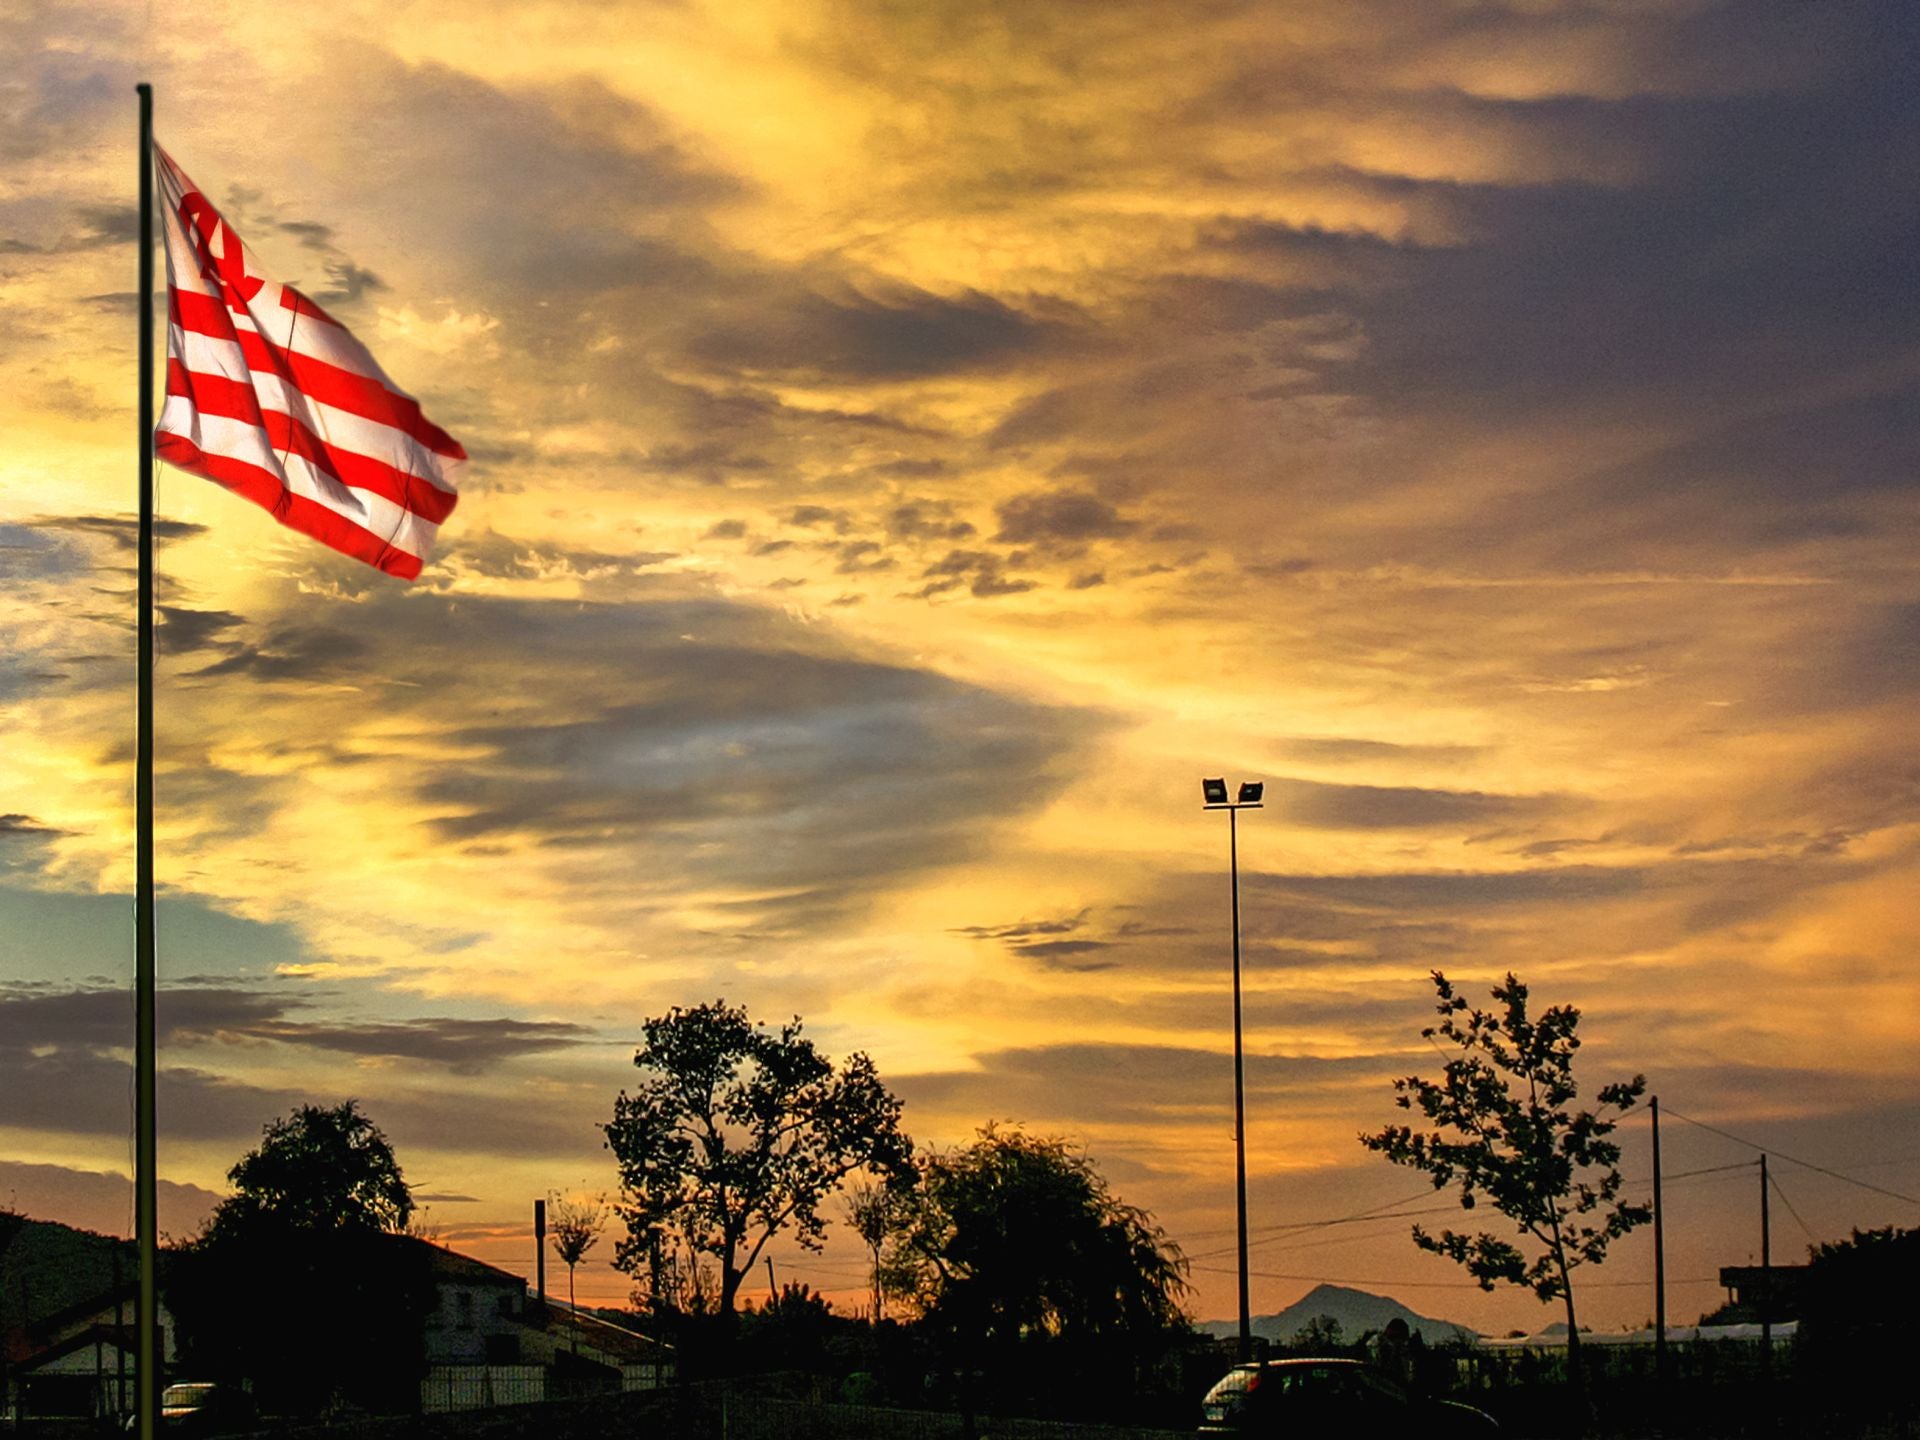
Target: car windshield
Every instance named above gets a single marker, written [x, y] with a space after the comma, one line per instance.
[185, 1394]
[1234, 1382]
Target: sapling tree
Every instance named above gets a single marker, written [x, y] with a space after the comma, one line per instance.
[873, 1209]
[575, 1223]
[1505, 1131]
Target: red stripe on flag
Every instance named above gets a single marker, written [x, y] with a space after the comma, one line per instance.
[294, 511]
[292, 299]
[210, 316]
[236, 400]
[329, 384]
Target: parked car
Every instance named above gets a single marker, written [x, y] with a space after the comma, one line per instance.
[196, 1408]
[1285, 1398]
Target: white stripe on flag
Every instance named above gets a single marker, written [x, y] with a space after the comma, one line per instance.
[267, 395]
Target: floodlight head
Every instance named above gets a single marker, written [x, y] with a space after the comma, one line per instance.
[1215, 791]
[1250, 792]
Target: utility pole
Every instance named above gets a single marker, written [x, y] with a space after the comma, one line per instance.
[1659, 1257]
[540, 1256]
[1766, 1280]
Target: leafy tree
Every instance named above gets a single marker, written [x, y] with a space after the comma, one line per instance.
[1322, 1335]
[575, 1225]
[1506, 1133]
[302, 1280]
[1015, 1246]
[735, 1134]
[321, 1168]
[793, 1330]
[1856, 1329]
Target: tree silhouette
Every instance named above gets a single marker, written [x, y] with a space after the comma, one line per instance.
[737, 1133]
[1015, 1249]
[321, 1168]
[1856, 1327]
[873, 1208]
[1506, 1134]
[575, 1225]
[302, 1280]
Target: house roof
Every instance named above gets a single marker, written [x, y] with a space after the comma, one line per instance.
[445, 1264]
[109, 1336]
[616, 1342]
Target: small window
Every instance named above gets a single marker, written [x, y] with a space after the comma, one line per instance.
[503, 1349]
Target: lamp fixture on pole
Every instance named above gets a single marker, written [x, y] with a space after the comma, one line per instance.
[1215, 793]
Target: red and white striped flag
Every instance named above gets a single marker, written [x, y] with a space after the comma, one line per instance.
[271, 397]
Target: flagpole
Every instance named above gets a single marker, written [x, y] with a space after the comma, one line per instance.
[146, 1190]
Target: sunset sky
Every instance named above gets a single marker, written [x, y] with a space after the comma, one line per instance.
[912, 443]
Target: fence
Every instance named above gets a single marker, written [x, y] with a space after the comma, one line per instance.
[481, 1387]
[708, 1411]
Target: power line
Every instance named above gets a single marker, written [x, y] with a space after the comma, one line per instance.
[1803, 1164]
[1437, 1284]
[1388, 1211]
[1310, 1224]
[1774, 1181]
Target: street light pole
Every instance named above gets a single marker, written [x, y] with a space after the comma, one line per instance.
[1215, 792]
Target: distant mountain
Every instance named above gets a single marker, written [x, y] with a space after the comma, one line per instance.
[46, 1266]
[1356, 1311]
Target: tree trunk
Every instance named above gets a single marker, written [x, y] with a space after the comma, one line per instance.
[1576, 1370]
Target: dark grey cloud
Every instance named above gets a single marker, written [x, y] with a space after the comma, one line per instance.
[465, 1047]
[1873, 658]
[913, 469]
[808, 516]
[310, 233]
[881, 332]
[1149, 1086]
[1456, 890]
[1022, 930]
[83, 1093]
[487, 552]
[981, 572]
[1069, 955]
[102, 225]
[183, 628]
[292, 652]
[803, 728]
[735, 738]
[347, 283]
[859, 557]
[1059, 518]
[1038, 941]
[1340, 749]
[64, 1066]
[1730, 280]
[1374, 927]
[1368, 807]
[593, 171]
[123, 531]
[98, 1020]
[18, 824]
